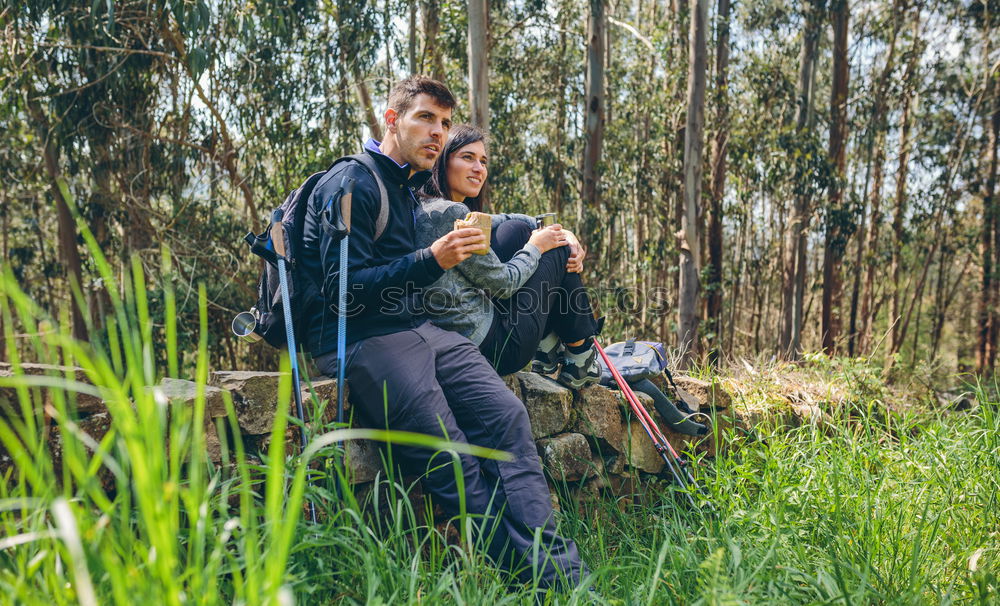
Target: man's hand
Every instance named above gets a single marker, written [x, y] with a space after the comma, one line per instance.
[576, 253]
[457, 246]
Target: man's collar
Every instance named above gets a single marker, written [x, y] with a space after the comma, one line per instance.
[400, 172]
[376, 147]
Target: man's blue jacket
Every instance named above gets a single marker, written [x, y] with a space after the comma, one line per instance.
[383, 275]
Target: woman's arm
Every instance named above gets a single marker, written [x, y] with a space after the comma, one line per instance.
[501, 280]
[483, 271]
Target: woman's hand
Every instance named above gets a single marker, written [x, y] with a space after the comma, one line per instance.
[576, 253]
[547, 238]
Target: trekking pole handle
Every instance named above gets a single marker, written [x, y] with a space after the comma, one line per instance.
[347, 187]
[278, 232]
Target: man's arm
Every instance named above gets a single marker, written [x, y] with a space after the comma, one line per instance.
[365, 280]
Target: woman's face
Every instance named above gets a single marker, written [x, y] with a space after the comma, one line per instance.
[466, 171]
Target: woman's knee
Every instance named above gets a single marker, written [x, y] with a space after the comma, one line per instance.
[516, 232]
[510, 237]
[558, 255]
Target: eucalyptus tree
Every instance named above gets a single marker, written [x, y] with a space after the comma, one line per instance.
[594, 113]
[796, 238]
[838, 222]
[720, 97]
[690, 256]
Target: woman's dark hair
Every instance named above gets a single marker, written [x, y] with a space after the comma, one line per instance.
[437, 186]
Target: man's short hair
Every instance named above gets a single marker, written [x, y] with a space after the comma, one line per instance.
[405, 91]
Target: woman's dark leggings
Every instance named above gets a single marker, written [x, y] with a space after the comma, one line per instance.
[551, 300]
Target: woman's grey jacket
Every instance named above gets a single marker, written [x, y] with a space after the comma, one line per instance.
[460, 299]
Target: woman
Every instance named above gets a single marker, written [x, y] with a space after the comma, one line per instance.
[524, 298]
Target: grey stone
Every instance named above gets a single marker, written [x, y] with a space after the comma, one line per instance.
[89, 431]
[513, 384]
[363, 460]
[566, 456]
[615, 465]
[599, 418]
[679, 441]
[596, 482]
[255, 396]
[96, 426]
[639, 450]
[549, 404]
[183, 393]
[325, 391]
[214, 437]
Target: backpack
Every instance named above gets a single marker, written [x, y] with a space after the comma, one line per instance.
[302, 289]
[635, 360]
[640, 361]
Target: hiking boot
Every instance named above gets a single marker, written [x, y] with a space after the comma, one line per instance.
[577, 376]
[546, 362]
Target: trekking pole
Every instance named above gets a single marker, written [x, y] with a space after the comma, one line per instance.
[663, 438]
[336, 222]
[278, 239]
[674, 463]
[345, 227]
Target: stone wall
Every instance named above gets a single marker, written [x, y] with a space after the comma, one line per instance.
[586, 437]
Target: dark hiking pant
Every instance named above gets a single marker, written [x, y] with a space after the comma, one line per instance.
[436, 382]
[551, 300]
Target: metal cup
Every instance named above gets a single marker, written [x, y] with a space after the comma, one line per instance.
[545, 220]
[243, 326]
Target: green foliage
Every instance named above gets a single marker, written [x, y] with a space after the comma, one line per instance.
[184, 121]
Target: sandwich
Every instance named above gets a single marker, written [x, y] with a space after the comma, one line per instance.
[479, 220]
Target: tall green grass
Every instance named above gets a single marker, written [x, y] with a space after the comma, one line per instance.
[142, 517]
[878, 509]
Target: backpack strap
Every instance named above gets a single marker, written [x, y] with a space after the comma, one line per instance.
[383, 210]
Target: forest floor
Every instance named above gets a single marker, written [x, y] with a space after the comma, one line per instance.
[875, 494]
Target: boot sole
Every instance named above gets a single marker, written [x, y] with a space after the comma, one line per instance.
[539, 368]
[574, 383]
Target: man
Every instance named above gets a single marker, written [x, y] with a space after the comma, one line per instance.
[405, 373]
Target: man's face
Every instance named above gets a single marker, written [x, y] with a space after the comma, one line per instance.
[420, 132]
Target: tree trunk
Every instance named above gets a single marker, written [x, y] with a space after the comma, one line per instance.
[411, 46]
[364, 97]
[986, 358]
[687, 324]
[719, 144]
[479, 73]
[833, 251]
[432, 51]
[68, 252]
[228, 155]
[479, 100]
[793, 265]
[879, 110]
[594, 117]
[859, 254]
[374, 128]
[560, 126]
[899, 211]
